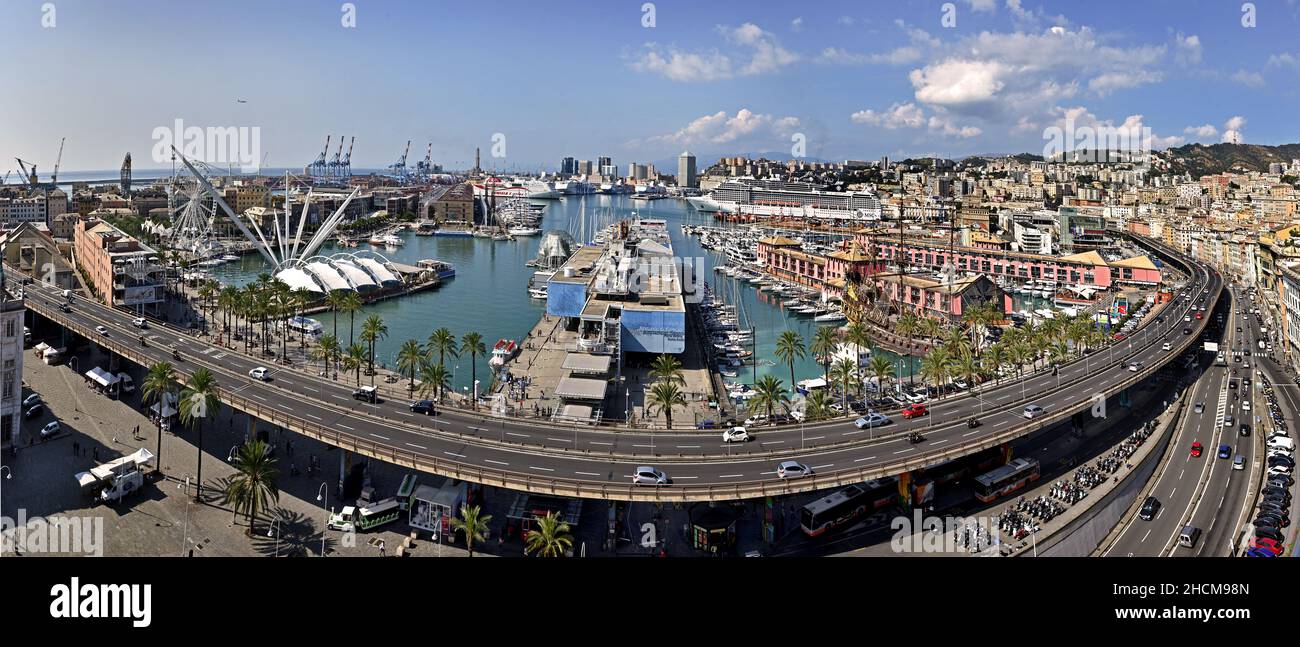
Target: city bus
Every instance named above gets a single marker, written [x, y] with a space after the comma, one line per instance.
[1006, 479]
[847, 505]
[353, 518]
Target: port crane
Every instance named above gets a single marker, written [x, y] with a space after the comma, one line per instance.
[332, 170]
[317, 168]
[399, 169]
[347, 159]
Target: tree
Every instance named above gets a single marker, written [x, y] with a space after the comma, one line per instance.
[881, 368]
[934, 367]
[817, 405]
[473, 523]
[472, 343]
[857, 335]
[965, 367]
[442, 343]
[199, 402]
[434, 379]
[550, 538]
[789, 347]
[373, 329]
[254, 482]
[410, 357]
[664, 396]
[351, 305]
[844, 372]
[327, 350]
[353, 359]
[334, 300]
[906, 325]
[769, 393]
[823, 345]
[667, 368]
[158, 382]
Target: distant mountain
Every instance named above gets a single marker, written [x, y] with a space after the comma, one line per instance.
[1200, 159]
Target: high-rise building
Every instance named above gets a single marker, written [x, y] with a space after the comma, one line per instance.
[686, 170]
[568, 166]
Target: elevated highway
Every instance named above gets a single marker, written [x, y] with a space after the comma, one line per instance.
[598, 462]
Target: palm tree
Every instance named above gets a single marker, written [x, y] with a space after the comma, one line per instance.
[199, 401]
[302, 297]
[159, 381]
[327, 349]
[995, 358]
[227, 301]
[353, 359]
[254, 482]
[789, 347]
[934, 367]
[823, 345]
[667, 368]
[857, 335]
[334, 300]
[965, 367]
[472, 343]
[931, 328]
[844, 372]
[373, 329]
[880, 367]
[351, 305]
[769, 393]
[817, 406]
[442, 342]
[957, 342]
[473, 523]
[550, 538]
[665, 395]
[409, 360]
[906, 325]
[434, 379]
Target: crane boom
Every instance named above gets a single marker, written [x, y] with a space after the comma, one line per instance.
[54, 177]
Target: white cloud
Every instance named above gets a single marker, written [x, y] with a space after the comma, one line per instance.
[847, 21]
[957, 82]
[1285, 58]
[797, 24]
[676, 65]
[1132, 133]
[919, 40]
[1248, 79]
[1187, 49]
[1232, 130]
[945, 126]
[983, 5]
[721, 128]
[1204, 132]
[899, 115]
[1111, 81]
[767, 54]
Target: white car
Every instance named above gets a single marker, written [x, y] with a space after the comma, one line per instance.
[649, 476]
[736, 435]
[1033, 411]
[1135, 366]
[1245, 405]
[140, 322]
[792, 470]
[872, 419]
[101, 330]
[50, 429]
[754, 421]
[260, 373]
[1167, 346]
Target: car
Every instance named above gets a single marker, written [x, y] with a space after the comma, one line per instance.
[792, 470]
[1244, 430]
[260, 373]
[1277, 459]
[366, 394]
[65, 308]
[1228, 420]
[914, 411]
[1033, 411]
[872, 419]
[1269, 545]
[1245, 405]
[646, 475]
[140, 322]
[1197, 449]
[422, 406]
[1239, 462]
[1236, 358]
[101, 330]
[1200, 316]
[1167, 346]
[1225, 451]
[1268, 533]
[1281, 480]
[31, 399]
[914, 397]
[755, 420]
[858, 406]
[1279, 469]
[736, 435]
[1187, 319]
[1232, 384]
[1238, 329]
[50, 429]
[1199, 408]
[1187, 331]
[1135, 366]
[35, 411]
[1150, 508]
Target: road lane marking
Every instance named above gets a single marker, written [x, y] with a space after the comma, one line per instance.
[488, 460]
[730, 476]
[859, 460]
[587, 473]
[378, 436]
[511, 433]
[559, 440]
[417, 446]
[541, 469]
[454, 454]
[601, 442]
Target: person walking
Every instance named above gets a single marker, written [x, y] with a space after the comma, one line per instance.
[382, 552]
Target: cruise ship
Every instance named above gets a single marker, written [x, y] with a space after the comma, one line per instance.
[530, 188]
[750, 196]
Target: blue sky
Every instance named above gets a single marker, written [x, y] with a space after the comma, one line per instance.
[856, 79]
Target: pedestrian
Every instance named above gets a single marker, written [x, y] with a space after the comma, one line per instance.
[381, 549]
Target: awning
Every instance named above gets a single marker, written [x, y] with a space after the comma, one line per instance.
[579, 388]
[101, 377]
[585, 363]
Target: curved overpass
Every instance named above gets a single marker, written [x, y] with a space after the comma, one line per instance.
[598, 463]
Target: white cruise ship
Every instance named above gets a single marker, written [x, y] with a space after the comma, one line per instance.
[530, 188]
[755, 197]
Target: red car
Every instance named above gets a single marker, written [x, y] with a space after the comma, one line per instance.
[914, 411]
[1268, 544]
[1197, 449]
[1198, 315]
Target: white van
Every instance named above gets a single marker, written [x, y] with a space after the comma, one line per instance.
[1281, 442]
[1189, 536]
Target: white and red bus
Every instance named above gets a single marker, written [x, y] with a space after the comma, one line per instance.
[847, 505]
[1006, 479]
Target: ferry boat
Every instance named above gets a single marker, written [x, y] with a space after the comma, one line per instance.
[830, 317]
[503, 351]
[442, 269]
[537, 293]
[305, 325]
[392, 240]
[376, 240]
[524, 230]
[426, 228]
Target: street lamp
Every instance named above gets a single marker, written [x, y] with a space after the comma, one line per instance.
[184, 486]
[275, 527]
[322, 495]
[8, 476]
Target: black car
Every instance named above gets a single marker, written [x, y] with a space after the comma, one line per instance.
[1150, 508]
[1245, 430]
[366, 394]
[1187, 331]
[1270, 533]
[1278, 459]
[1279, 480]
[65, 307]
[35, 411]
[422, 406]
[1270, 490]
[1273, 519]
[858, 406]
[1274, 507]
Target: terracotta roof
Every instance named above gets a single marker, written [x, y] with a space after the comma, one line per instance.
[779, 241]
[1137, 262]
[1090, 257]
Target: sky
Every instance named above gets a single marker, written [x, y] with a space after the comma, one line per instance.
[532, 82]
